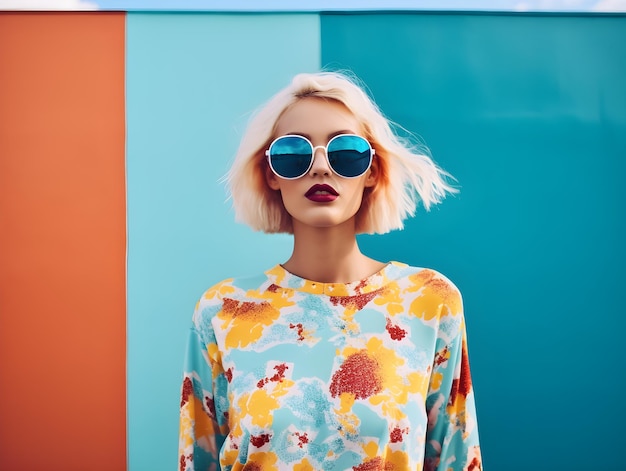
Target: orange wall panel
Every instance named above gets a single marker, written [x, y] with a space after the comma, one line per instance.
[62, 242]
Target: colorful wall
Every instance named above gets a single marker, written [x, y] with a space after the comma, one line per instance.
[115, 129]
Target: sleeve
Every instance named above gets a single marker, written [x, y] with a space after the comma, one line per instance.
[452, 436]
[203, 405]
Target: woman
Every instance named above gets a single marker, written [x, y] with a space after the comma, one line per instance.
[332, 360]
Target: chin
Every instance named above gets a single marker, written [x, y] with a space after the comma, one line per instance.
[325, 219]
[323, 224]
[326, 223]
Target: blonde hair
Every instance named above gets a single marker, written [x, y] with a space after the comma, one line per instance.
[404, 172]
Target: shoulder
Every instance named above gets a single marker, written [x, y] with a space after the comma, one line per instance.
[228, 290]
[427, 288]
[420, 276]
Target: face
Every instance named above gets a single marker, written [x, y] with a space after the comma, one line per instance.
[320, 198]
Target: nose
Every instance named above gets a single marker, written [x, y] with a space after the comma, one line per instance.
[320, 162]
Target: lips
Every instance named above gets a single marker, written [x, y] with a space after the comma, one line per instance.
[322, 194]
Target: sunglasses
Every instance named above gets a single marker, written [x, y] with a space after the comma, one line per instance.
[291, 156]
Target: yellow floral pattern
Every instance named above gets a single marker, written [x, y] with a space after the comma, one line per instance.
[288, 373]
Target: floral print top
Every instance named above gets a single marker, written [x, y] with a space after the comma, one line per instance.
[287, 373]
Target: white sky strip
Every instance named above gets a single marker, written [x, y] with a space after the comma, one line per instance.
[320, 5]
[73, 5]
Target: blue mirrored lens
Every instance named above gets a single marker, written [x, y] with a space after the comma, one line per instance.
[290, 156]
[349, 156]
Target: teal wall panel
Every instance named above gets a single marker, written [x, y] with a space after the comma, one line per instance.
[192, 80]
[528, 112]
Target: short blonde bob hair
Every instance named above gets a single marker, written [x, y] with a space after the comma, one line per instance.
[404, 172]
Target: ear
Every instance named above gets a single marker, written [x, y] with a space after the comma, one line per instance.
[271, 179]
[372, 174]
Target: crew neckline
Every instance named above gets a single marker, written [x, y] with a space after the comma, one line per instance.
[283, 278]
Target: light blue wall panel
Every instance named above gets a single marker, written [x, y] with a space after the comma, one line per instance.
[192, 80]
[529, 113]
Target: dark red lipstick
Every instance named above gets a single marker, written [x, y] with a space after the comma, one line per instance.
[322, 194]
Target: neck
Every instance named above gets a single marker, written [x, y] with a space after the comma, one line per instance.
[329, 255]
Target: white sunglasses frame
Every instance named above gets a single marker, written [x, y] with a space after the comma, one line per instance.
[314, 149]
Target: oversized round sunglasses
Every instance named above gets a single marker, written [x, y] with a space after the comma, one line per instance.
[291, 156]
